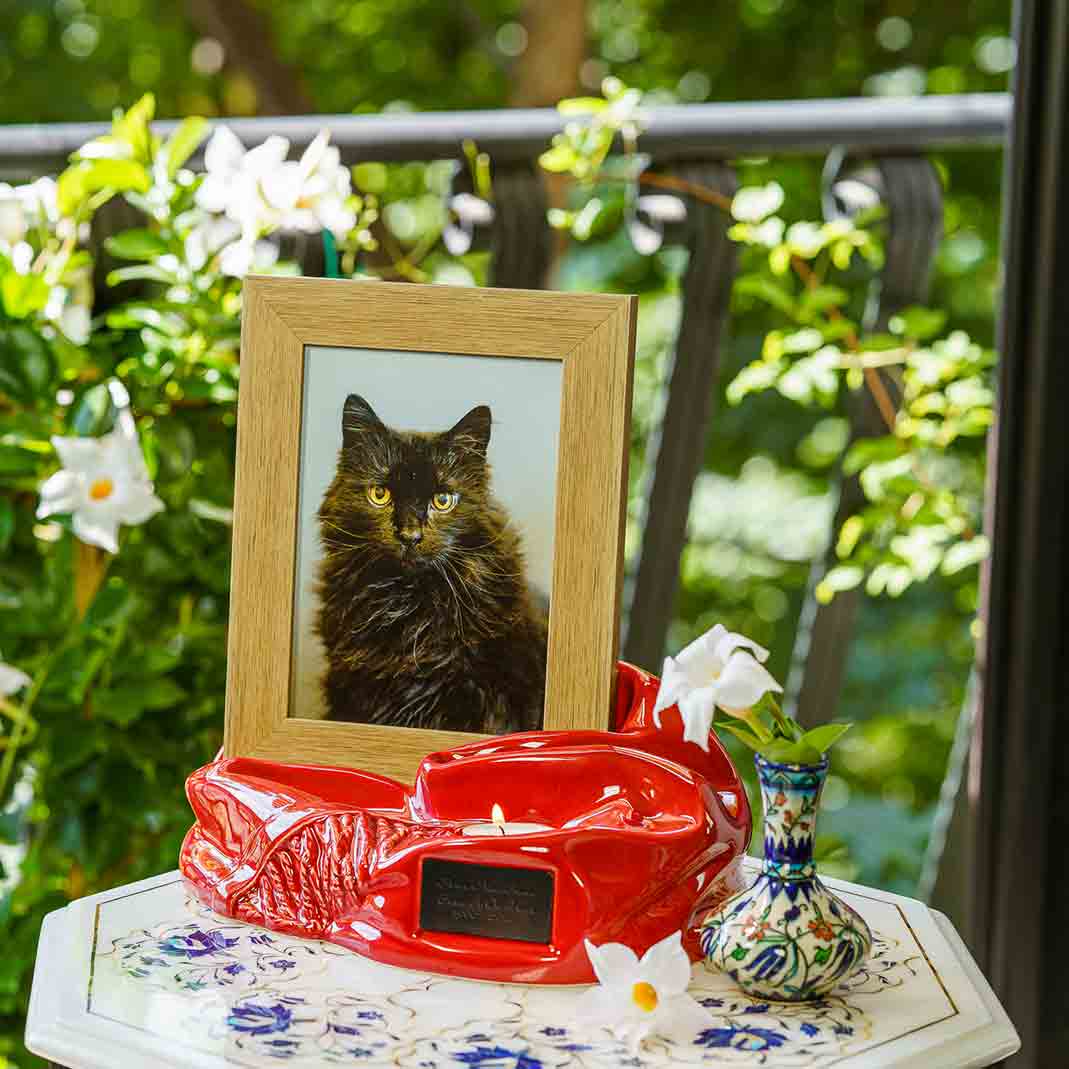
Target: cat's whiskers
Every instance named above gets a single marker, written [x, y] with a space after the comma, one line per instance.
[438, 566]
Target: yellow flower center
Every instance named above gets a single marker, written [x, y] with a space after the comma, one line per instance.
[644, 996]
[101, 489]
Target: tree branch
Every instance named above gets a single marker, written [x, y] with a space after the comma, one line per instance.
[245, 34]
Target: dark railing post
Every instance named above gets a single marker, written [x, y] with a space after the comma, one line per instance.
[910, 190]
[676, 448]
[521, 242]
[1019, 785]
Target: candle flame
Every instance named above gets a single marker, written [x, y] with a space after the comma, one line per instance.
[497, 815]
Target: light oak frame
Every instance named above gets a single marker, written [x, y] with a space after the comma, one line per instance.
[591, 334]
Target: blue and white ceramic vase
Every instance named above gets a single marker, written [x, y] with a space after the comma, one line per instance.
[787, 937]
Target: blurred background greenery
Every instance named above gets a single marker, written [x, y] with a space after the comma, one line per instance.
[763, 505]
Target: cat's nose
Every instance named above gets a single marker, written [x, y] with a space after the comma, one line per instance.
[410, 536]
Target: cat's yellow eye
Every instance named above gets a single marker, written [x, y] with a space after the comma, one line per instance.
[442, 502]
[378, 495]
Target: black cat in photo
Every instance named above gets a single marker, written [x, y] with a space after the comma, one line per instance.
[425, 612]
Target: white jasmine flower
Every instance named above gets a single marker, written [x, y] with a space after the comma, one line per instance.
[12, 680]
[639, 998]
[13, 221]
[70, 314]
[209, 237]
[262, 191]
[243, 256]
[310, 194]
[40, 200]
[720, 669]
[751, 204]
[103, 482]
[805, 239]
[232, 174]
[768, 233]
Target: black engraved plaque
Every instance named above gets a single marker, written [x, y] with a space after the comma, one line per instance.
[488, 900]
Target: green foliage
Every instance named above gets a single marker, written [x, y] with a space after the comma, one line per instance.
[922, 480]
[767, 730]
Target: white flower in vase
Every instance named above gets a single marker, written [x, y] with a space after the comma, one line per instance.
[12, 680]
[721, 669]
[636, 998]
[103, 482]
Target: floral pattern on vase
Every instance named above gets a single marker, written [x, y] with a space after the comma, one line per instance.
[787, 937]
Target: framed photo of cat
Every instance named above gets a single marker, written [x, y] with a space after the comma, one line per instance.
[428, 517]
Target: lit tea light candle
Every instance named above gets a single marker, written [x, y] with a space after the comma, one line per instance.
[501, 826]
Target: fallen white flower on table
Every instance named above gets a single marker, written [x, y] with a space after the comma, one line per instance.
[721, 669]
[639, 998]
[103, 482]
[12, 680]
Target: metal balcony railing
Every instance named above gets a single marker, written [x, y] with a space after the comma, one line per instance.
[688, 132]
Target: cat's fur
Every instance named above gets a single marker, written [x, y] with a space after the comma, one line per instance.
[442, 632]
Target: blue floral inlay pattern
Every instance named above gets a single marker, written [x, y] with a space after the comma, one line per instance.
[264, 998]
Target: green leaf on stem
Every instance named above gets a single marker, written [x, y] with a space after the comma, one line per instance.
[741, 733]
[184, 142]
[824, 737]
[23, 294]
[136, 245]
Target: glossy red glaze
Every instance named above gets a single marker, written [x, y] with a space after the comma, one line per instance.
[644, 826]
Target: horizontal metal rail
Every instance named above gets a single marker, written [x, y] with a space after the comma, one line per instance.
[513, 135]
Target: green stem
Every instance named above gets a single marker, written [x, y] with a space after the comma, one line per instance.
[7, 764]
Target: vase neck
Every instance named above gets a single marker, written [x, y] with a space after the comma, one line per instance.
[791, 795]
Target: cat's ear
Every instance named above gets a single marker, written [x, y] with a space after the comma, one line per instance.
[357, 418]
[473, 431]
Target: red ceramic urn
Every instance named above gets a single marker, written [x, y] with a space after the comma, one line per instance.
[620, 836]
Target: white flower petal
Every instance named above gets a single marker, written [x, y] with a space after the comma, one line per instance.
[674, 684]
[266, 157]
[140, 506]
[224, 151]
[13, 222]
[700, 659]
[213, 194]
[264, 255]
[314, 155]
[730, 641]
[614, 964]
[236, 259]
[99, 529]
[698, 709]
[743, 682]
[12, 680]
[334, 216]
[666, 967]
[127, 449]
[598, 1004]
[61, 492]
[282, 187]
[74, 321]
[752, 203]
[78, 454]
[681, 1020]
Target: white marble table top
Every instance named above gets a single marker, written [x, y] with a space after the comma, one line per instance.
[143, 977]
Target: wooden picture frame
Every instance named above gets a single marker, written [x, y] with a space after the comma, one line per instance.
[592, 335]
